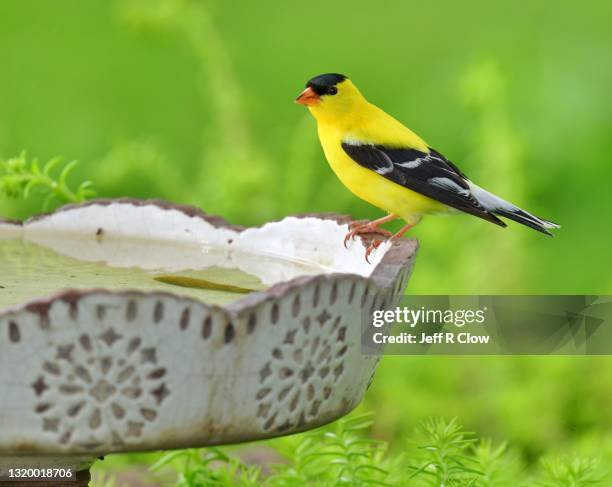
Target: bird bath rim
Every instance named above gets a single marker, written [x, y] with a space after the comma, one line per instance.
[385, 261]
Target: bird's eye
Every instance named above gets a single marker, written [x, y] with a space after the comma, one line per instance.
[332, 91]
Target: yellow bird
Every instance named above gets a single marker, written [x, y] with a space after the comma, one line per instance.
[386, 164]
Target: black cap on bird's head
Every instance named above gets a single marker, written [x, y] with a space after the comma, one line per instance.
[322, 85]
[325, 84]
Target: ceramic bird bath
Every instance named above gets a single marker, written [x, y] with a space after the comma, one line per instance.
[131, 325]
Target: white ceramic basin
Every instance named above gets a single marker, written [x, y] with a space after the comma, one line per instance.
[97, 356]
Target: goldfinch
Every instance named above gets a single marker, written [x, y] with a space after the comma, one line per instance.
[386, 164]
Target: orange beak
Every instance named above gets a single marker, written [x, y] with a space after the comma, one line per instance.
[308, 97]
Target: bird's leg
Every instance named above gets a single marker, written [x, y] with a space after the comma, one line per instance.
[376, 243]
[404, 229]
[358, 228]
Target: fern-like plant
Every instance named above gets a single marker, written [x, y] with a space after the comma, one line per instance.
[342, 455]
[445, 450]
[209, 467]
[569, 472]
[20, 177]
[338, 455]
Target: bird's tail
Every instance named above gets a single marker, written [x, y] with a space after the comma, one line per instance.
[500, 207]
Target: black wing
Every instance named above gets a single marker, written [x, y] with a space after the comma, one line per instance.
[427, 173]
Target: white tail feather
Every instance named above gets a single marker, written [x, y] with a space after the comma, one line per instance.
[499, 206]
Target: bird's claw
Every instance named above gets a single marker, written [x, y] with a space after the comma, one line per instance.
[346, 239]
[354, 227]
[371, 248]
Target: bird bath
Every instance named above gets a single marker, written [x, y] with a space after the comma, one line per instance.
[107, 345]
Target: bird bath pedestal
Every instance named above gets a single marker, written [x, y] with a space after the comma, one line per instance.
[107, 345]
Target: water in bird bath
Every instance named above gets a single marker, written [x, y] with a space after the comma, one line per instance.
[218, 276]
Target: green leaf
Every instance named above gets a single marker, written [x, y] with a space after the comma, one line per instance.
[19, 178]
[64, 174]
[49, 166]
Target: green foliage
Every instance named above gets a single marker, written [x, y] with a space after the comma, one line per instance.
[499, 465]
[442, 454]
[208, 467]
[494, 397]
[570, 472]
[337, 455]
[445, 459]
[19, 178]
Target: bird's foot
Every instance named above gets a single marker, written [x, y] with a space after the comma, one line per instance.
[361, 228]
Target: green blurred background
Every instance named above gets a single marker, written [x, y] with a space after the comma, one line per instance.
[193, 101]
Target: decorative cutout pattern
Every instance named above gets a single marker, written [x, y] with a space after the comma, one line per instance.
[102, 382]
[105, 389]
[300, 375]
